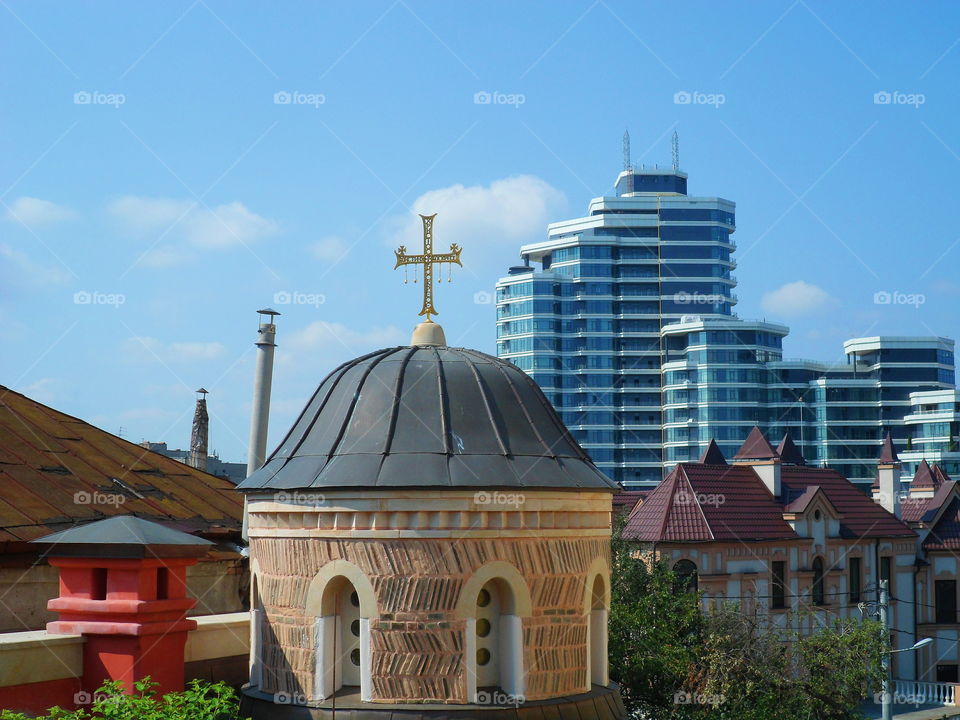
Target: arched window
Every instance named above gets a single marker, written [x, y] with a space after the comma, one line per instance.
[597, 634]
[818, 594]
[685, 576]
[342, 600]
[340, 635]
[498, 640]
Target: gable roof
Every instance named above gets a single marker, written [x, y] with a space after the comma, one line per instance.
[54, 467]
[945, 534]
[699, 502]
[789, 452]
[755, 447]
[803, 502]
[925, 509]
[861, 517]
[712, 455]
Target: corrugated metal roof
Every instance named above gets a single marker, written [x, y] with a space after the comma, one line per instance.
[411, 417]
[57, 471]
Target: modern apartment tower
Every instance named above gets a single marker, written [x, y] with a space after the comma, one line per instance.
[583, 314]
[624, 318]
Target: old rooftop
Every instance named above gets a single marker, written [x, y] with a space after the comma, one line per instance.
[57, 471]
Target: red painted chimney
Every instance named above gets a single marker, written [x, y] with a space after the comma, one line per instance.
[123, 587]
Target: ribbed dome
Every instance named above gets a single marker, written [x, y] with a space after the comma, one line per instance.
[426, 416]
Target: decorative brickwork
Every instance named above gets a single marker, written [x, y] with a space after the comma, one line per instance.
[417, 640]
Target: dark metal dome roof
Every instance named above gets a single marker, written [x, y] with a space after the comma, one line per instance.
[428, 416]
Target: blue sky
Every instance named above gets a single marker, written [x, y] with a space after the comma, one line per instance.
[156, 193]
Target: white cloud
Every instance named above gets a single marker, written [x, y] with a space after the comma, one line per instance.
[25, 271]
[478, 217]
[33, 211]
[144, 348]
[219, 227]
[43, 390]
[330, 248]
[336, 340]
[796, 299]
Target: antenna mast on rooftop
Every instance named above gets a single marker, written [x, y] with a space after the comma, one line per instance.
[627, 165]
[676, 151]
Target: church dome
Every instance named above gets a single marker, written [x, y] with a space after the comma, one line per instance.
[409, 417]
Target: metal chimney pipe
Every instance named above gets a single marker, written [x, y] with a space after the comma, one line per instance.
[262, 383]
[200, 433]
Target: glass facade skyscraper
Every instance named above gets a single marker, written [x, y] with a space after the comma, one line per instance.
[585, 320]
[625, 318]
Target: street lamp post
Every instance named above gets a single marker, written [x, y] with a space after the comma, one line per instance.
[886, 698]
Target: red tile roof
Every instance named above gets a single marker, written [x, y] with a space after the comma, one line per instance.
[712, 455]
[923, 478]
[699, 503]
[51, 464]
[860, 515]
[755, 447]
[939, 476]
[945, 535]
[789, 452]
[625, 501]
[924, 509]
[888, 454]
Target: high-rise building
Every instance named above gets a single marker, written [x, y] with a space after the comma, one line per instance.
[624, 318]
[723, 376]
[585, 322]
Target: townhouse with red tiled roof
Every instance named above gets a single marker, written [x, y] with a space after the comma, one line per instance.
[778, 536]
[930, 505]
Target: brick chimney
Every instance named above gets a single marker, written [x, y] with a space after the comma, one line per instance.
[888, 477]
[757, 452]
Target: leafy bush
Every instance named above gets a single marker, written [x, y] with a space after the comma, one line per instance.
[200, 701]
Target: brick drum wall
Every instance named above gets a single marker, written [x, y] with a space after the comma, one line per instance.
[417, 643]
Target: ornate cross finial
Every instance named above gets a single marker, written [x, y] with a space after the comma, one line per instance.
[427, 259]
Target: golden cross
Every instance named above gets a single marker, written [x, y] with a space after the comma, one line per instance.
[427, 259]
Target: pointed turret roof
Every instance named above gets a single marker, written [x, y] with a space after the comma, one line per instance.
[789, 452]
[755, 447]
[939, 475]
[712, 455]
[923, 478]
[888, 454]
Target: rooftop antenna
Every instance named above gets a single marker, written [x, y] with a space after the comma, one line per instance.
[626, 151]
[676, 151]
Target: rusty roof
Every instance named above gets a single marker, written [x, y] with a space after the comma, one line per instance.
[57, 471]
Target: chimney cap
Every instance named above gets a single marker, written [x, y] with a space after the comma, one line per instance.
[268, 311]
[202, 391]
